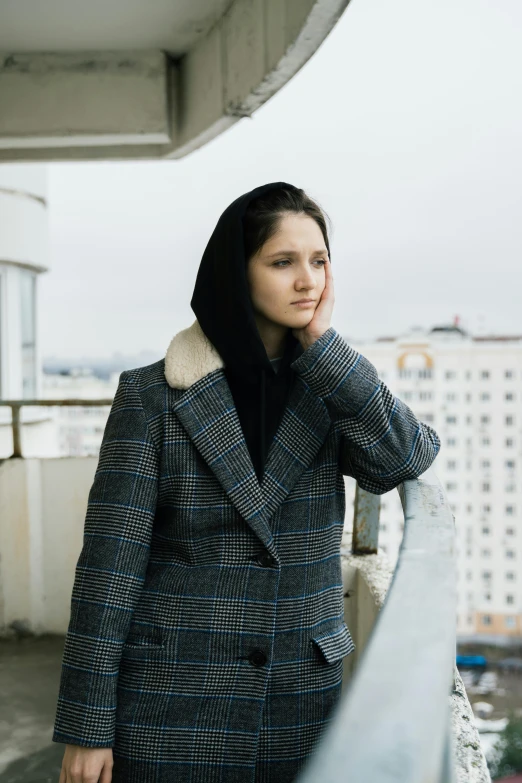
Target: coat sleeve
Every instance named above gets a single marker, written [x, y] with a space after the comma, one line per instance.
[382, 443]
[110, 572]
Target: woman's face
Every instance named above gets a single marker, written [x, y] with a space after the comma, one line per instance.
[287, 268]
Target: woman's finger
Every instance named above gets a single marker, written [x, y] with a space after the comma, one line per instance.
[106, 774]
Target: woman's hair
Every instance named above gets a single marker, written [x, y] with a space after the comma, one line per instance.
[263, 214]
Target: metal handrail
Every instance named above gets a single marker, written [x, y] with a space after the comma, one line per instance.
[393, 722]
[15, 406]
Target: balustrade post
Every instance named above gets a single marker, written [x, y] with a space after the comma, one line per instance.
[365, 534]
[15, 423]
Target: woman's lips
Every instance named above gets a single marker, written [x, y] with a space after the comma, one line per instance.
[305, 303]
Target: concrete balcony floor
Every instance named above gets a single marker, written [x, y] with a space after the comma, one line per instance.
[29, 678]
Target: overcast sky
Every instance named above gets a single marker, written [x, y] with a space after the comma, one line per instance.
[406, 126]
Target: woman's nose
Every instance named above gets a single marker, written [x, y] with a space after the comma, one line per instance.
[305, 279]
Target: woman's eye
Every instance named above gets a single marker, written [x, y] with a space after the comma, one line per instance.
[321, 261]
[283, 261]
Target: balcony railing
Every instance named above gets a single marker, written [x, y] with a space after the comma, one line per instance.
[16, 405]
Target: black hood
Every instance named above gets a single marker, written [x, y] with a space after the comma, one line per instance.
[222, 304]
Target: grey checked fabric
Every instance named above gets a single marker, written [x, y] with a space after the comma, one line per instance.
[206, 635]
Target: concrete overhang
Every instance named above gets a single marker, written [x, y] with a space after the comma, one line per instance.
[129, 79]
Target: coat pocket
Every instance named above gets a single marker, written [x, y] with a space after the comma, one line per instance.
[145, 642]
[335, 643]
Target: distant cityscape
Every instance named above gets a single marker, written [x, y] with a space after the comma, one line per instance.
[100, 367]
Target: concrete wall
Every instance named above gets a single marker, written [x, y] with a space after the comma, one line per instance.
[42, 512]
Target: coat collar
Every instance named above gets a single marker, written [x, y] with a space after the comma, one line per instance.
[206, 410]
[190, 356]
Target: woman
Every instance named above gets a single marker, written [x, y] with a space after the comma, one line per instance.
[207, 637]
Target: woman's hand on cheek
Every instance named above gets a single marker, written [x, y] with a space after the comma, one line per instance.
[322, 316]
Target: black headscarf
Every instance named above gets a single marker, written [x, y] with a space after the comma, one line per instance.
[222, 304]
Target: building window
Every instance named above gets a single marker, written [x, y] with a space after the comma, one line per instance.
[510, 531]
[468, 419]
[510, 510]
[509, 373]
[487, 596]
[510, 599]
[485, 487]
[511, 487]
[509, 622]
[485, 441]
[28, 332]
[510, 553]
[510, 575]
[469, 508]
[484, 374]
[450, 375]
[485, 464]
[451, 396]
[451, 419]
[509, 396]
[486, 619]
[485, 419]
[451, 464]
[486, 531]
[486, 509]
[486, 574]
[510, 442]
[485, 396]
[485, 552]
[451, 442]
[509, 420]
[451, 486]
[469, 576]
[510, 464]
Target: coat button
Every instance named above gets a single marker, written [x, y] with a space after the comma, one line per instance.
[257, 658]
[265, 559]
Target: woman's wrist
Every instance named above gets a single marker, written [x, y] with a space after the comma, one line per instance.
[307, 340]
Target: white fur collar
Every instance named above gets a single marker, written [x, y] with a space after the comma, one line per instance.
[190, 356]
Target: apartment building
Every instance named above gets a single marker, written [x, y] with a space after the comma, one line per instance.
[469, 388]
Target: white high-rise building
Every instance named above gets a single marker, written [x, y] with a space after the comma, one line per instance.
[24, 256]
[469, 389]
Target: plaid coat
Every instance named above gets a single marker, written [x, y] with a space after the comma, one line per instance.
[206, 634]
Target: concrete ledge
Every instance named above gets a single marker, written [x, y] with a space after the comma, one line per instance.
[147, 104]
[366, 579]
[85, 100]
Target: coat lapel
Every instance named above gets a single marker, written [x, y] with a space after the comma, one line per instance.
[207, 411]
